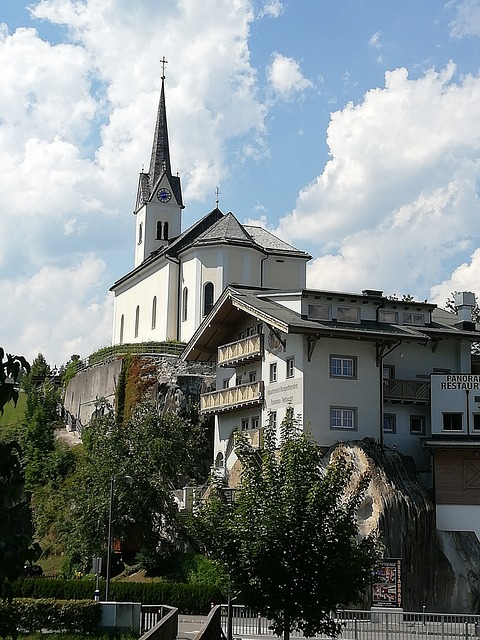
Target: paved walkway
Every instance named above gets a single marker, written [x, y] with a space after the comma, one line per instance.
[189, 626]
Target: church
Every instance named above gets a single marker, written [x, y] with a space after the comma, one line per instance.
[179, 275]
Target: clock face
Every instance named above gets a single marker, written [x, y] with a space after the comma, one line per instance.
[164, 195]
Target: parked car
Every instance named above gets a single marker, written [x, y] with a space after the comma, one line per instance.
[33, 570]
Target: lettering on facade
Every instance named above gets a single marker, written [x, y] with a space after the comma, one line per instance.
[457, 381]
[281, 394]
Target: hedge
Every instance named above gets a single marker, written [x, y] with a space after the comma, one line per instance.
[187, 598]
[29, 615]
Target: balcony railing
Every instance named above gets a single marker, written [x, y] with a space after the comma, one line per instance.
[233, 398]
[250, 348]
[406, 391]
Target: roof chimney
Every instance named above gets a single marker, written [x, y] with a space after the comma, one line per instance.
[464, 301]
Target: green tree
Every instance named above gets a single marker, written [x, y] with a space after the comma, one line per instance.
[15, 517]
[156, 451]
[11, 370]
[289, 540]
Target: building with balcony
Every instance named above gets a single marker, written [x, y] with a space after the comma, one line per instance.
[353, 365]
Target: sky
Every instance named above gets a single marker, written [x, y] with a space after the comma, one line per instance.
[350, 128]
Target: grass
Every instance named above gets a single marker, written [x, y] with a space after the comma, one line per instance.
[12, 415]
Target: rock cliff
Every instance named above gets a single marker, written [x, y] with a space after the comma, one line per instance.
[440, 569]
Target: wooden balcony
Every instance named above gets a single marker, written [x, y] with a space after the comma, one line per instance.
[250, 348]
[406, 391]
[233, 398]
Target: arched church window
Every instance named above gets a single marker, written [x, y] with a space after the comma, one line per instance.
[137, 321]
[159, 230]
[122, 326]
[154, 312]
[207, 298]
[185, 304]
[165, 230]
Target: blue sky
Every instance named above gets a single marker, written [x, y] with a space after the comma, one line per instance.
[351, 128]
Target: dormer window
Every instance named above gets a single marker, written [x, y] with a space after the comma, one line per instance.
[414, 318]
[319, 312]
[388, 316]
[348, 314]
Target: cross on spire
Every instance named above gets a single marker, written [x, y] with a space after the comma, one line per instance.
[163, 62]
[217, 193]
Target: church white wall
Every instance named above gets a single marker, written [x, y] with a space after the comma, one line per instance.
[157, 284]
[284, 272]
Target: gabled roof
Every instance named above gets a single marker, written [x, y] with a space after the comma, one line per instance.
[270, 242]
[176, 246]
[227, 229]
[214, 228]
[219, 325]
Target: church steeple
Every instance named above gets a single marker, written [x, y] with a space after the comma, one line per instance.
[159, 203]
[160, 158]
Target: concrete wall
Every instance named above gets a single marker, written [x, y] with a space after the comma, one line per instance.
[84, 390]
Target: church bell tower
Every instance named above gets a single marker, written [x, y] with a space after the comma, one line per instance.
[159, 202]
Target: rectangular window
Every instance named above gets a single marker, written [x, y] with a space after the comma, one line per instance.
[272, 416]
[225, 383]
[244, 424]
[273, 372]
[342, 418]
[388, 316]
[348, 314]
[238, 381]
[389, 423]
[290, 367]
[343, 366]
[413, 318]
[319, 311]
[255, 422]
[388, 372]
[252, 376]
[476, 421]
[417, 425]
[452, 421]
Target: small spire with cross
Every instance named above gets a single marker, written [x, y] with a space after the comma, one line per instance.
[163, 62]
[217, 193]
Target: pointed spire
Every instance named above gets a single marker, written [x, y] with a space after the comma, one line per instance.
[160, 158]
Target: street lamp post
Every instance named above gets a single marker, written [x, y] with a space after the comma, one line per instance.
[109, 540]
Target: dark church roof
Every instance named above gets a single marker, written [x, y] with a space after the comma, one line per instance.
[159, 159]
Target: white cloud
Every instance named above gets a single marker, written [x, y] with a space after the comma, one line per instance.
[467, 18]
[398, 201]
[466, 277]
[272, 9]
[58, 312]
[286, 78]
[76, 126]
[375, 40]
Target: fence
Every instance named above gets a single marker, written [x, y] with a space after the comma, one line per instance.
[368, 625]
[159, 622]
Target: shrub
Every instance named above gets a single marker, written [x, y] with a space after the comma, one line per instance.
[71, 616]
[188, 598]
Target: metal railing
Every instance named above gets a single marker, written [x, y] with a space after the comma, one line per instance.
[159, 622]
[374, 624]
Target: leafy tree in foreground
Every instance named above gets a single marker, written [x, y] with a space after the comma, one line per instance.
[15, 517]
[290, 540]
